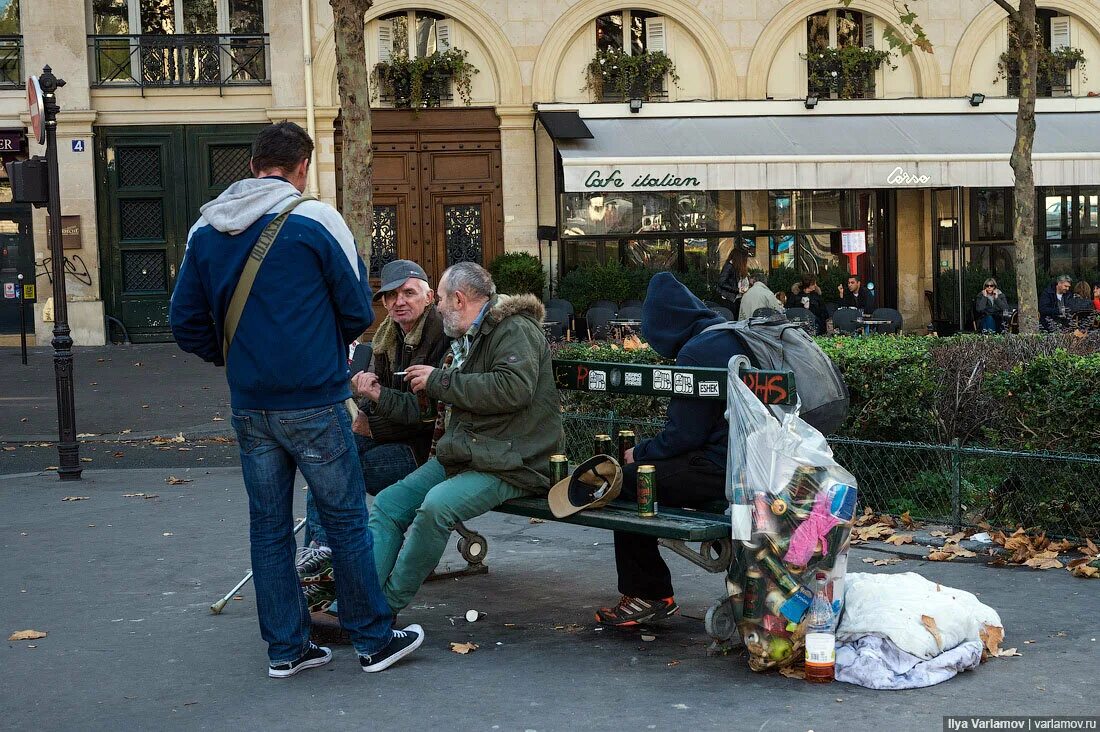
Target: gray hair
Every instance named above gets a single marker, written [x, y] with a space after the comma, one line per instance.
[1064, 278]
[471, 279]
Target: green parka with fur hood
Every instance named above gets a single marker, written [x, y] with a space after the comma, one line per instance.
[505, 414]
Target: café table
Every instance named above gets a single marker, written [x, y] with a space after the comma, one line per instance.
[868, 323]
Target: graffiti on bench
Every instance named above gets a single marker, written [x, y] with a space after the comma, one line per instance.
[771, 387]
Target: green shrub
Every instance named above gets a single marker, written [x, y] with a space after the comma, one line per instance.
[891, 386]
[517, 273]
[591, 282]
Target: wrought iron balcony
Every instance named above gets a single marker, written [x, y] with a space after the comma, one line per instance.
[208, 60]
[11, 62]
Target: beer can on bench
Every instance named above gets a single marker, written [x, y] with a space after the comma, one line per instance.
[602, 445]
[647, 491]
[626, 442]
[559, 468]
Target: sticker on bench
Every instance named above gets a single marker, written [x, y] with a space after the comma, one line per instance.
[662, 379]
[709, 388]
[597, 381]
[633, 378]
[684, 384]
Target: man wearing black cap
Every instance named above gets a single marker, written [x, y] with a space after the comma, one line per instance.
[689, 454]
[411, 334]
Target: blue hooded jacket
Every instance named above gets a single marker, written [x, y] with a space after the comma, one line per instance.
[310, 298]
[673, 321]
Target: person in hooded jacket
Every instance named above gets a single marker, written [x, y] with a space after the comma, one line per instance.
[689, 453]
[287, 368]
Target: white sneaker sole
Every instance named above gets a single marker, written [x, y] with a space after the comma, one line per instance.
[383, 665]
[280, 674]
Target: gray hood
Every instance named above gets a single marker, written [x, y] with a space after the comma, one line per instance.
[243, 203]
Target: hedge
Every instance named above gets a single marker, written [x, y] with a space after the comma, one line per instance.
[1034, 393]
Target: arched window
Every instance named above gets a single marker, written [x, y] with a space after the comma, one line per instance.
[11, 45]
[1057, 56]
[841, 58]
[430, 32]
[643, 37]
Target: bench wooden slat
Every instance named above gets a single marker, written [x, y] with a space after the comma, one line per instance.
[670, 523]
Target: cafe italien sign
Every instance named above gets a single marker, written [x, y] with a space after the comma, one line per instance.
[597, 180]
[730, 175]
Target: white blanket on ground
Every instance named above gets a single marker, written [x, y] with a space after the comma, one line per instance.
[876, 663]
[894, 606]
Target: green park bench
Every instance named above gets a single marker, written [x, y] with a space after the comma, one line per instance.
[676, 528]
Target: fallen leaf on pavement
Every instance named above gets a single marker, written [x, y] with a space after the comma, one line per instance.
[1044, 560]
[118, 454]
[75, 498]
[881, 562]
[87, 434]
[929, 624]
[907, 521]
[219, 419]
[464, 648]
[85, 460]
[27, 635]
[672, 663]
[899, 539]
[9, 449]
[991, 636]
[536, 521]
[1006, 653]
[126, 431]
[793, 672]
[955, 538]
[173, 480]
[939, 534]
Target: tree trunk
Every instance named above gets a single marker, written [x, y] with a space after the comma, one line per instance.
[352, 77]
[1024, 219]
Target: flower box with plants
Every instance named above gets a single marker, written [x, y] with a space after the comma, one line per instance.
[1051, 71]
[425, 81]
[846, 73]
[615, 75]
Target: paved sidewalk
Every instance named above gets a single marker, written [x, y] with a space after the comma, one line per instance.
[123, 586]
[149, 389]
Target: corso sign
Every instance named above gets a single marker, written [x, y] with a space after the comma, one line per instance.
[597, 180]
[899, 176]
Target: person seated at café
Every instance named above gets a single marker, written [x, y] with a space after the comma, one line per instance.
[811, 299]
[990, 307]
[756, 297]
[1053, 316]
[412, 333]
[854, 294]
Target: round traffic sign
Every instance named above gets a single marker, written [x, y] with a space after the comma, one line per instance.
[37, 109]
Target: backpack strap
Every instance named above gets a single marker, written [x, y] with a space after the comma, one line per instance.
[251, 267]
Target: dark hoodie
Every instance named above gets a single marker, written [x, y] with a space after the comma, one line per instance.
[673, 321]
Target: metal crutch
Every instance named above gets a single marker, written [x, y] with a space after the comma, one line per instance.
[218, 606]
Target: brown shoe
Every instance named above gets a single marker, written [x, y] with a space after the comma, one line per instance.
[327, 630]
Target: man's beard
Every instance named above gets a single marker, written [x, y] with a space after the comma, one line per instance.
[450, 325]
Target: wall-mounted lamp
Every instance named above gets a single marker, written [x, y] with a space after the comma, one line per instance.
[811, 101]
[635, 105]
[976, 99]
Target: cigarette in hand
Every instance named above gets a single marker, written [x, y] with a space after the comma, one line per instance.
[400, 373]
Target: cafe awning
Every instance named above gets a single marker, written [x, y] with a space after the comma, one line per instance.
[824, 152]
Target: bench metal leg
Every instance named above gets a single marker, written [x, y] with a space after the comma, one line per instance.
[713, 556]
[473, 547]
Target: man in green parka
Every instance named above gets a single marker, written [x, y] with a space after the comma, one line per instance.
[498, 423]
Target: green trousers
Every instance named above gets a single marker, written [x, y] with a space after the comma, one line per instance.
[427, 504]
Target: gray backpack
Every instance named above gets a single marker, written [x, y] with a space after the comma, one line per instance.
[775, 343]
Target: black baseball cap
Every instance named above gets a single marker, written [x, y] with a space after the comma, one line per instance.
[396, 272]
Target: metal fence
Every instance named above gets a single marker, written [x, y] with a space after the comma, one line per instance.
[958, 486]
[179, 60]
[11, 62]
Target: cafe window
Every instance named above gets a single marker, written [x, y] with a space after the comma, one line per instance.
[990, 214]
[1067, 230]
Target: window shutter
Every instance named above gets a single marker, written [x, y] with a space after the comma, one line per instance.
[444, 33]
[1059, 32]
[656, 34]
[385, 40]
[868, 31]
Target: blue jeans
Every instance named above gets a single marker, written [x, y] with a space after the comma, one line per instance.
[318, 442]
[384, 463]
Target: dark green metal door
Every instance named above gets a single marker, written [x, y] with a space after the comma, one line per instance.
[151, 183]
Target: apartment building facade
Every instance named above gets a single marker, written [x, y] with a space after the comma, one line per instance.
[750, 141]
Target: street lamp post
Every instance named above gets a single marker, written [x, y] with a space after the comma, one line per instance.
[67, 447]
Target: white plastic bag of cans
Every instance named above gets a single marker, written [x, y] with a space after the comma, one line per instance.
[792, 512]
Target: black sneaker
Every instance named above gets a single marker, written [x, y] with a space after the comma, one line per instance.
[404, 642]
[632, 611]
[315, 656]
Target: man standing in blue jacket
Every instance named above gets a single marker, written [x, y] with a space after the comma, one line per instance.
[288, 378]
[689, 454]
